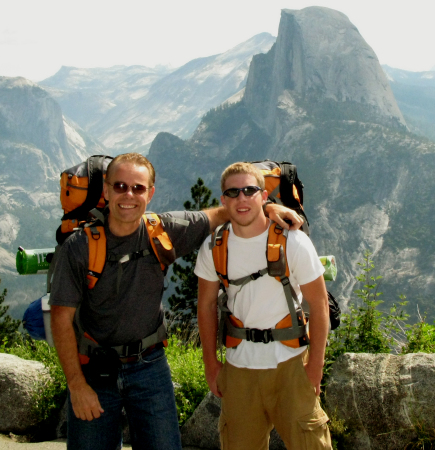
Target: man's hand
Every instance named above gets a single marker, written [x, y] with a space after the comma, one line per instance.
[314, 373]
[84, 399]
[211, 373]
[85, 403]
[279, 213]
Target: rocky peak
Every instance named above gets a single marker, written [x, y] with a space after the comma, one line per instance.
[319, 58]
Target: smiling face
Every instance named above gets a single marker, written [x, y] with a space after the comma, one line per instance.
[126, 209]
[246, 213]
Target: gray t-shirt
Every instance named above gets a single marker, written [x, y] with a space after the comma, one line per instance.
[116, 318]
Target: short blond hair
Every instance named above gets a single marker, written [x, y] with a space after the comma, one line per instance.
[243, 168]
[132, 158]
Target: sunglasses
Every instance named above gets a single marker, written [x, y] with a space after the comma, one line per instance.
[249, 191]
[121, 188]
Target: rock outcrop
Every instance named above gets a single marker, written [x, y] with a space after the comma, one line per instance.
[319, 57]
[383, 398]
[20, 382]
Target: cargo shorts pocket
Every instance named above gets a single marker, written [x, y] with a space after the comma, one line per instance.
[315, 431]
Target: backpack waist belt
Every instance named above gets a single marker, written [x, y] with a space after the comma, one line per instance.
[284, 332]
[87, 345]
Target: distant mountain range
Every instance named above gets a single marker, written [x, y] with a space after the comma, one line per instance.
[415, 95]
[125, 107]
[315, 95]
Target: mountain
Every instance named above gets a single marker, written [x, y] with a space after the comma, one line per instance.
[415, 95]
[88, 96]
[320, 99]
[36, 144]
[125, 107]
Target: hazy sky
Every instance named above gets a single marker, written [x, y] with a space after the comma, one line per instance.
[37, 37]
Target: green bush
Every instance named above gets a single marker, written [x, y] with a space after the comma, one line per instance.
[187, 369]
[420, 337]
[8, 326]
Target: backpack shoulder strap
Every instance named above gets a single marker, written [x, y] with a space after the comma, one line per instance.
[277, 265]
[159, 239]
[219, 248]
[97, 252]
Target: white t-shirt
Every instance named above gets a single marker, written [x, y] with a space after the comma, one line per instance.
[261, 303]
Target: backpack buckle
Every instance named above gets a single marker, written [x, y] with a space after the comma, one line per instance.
[256, 335]
[255, 276]
[152, 221]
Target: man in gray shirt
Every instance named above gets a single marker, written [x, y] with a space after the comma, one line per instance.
[121, 312]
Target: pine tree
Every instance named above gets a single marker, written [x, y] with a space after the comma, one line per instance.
[8, 326]
[184, 301]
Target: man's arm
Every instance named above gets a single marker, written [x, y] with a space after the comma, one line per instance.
[317, 297]
[277, 213]
[84, 400]
[208, 328]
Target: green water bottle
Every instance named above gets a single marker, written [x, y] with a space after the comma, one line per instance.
[330, 266]
[34, 261]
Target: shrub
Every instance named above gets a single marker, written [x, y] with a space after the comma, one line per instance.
[366, 329]
[185, 360]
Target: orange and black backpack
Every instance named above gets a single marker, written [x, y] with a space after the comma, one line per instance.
[283, 186]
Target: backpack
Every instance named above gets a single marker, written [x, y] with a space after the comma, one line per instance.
[284, 186]
[83, 203]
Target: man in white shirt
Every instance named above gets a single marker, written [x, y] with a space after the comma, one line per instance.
[263, 385]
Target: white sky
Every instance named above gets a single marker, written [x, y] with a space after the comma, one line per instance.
[37, 37]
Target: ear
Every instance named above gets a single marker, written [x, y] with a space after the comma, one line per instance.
[151, 193]
[106, 191]
[223, 200]
[264, 196]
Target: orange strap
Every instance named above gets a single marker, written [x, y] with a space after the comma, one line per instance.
[156, 231]
[220, 256]
[97, 253]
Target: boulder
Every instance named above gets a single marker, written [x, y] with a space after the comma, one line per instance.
[384, 399]
[20, 380]
[201, 430]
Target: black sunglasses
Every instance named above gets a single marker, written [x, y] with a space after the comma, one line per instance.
[248, 191]
[121, 188]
